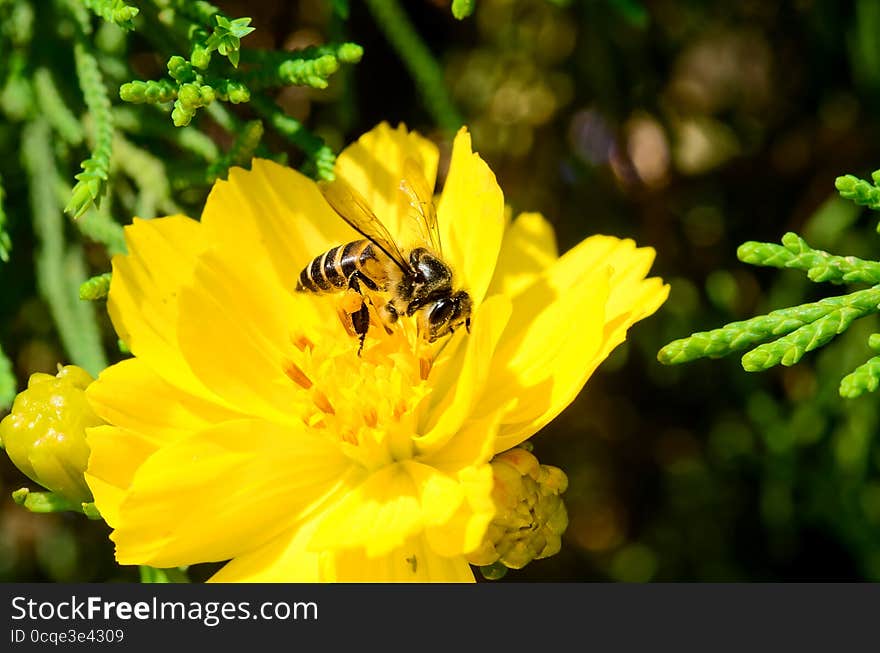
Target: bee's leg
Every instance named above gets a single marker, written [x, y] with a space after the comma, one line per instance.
[360, 319]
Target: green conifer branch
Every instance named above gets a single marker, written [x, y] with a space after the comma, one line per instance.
[193, 91]
[18, 24]
[154, 124]
[91, 182]
[241, 151]
[148, 92]
[7, 382]
[307, 67]
[320, 157]
[415, 55]
[80, 15]
[16, 97]
[96, 287]
[230, 90]
[863, 193]
[55, 110]
[199, 12]
[820, 266]
[224, 38]
[147, 172]
[461, 9]
[789, 349]
[98, 225]
[802, 328]
[190, 97]
[865, 378]
[743, 334]
[57, 273]
[341, 8]
[113, 11]
[5, 240]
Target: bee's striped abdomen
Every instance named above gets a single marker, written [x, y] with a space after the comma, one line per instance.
[331, 271]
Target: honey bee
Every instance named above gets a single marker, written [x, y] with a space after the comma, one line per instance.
[419, 284]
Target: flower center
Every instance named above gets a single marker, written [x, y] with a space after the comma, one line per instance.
[370, 402]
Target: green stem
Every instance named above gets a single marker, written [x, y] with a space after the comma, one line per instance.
[417, 58]
[44, 502]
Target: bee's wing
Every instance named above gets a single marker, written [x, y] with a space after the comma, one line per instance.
[420, 198]
[352, 207]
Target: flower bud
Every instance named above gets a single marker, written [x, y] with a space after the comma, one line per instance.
[45, 434]
[530, 517]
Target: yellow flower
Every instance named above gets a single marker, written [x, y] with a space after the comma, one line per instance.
[247, 428]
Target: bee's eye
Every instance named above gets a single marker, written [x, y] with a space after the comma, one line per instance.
[442, 311]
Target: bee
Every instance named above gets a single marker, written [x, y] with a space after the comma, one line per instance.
[419, 284]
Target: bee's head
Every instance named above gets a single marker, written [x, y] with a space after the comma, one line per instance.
[444, 315]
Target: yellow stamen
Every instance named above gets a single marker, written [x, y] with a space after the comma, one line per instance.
[295, 374]
[322, 402]
[425, 368]
[302, 342]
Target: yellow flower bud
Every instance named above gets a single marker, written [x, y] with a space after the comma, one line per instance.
[531, 516]
[45, 434]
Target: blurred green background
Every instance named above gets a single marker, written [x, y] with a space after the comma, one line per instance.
[689, 126]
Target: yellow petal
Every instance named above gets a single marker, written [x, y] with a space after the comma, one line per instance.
[224, 491]
[414, 562]
[643, 300]
[116, 454]
[394, 504]
[118, 396]
[379, 514]
[273, 213]
[143, 299]
[374, 165]
[471, 218]
[630, 297]
[235, 328]
[464, 531]
[528, 248]
[472, 445]
[629, 265]
[460, 381]
[287, 560]
[545, 358]
[120, 392]
[439, 495]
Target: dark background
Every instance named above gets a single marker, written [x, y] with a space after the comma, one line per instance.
[691, 127]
